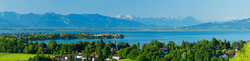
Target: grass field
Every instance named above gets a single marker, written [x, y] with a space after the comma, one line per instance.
[16, 56]
[24, 57]
[124, 60]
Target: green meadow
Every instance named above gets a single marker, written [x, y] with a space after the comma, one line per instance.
[124, 60]
[16, 56]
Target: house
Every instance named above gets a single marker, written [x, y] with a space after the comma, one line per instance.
[76, 57]
[237, 52]
[113, 49]
[164, 50]
[229, 51]
[56, 57]
[114, 35]
[108, 59]
[66, 57]
[224, 55]
[97, 34]
[107, 34]
[85, 57]
[80, 56]
[116, 57]
[94, 56]
[236, 49]
[44, 49]
[53, 59]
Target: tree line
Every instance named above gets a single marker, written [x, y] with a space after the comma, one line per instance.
[63, 35]
[202, 50]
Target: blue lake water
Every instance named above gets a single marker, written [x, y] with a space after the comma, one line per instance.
[133, 37]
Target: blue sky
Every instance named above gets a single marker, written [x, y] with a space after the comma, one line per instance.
[200, 9]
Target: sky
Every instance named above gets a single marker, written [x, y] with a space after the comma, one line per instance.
[204, 10]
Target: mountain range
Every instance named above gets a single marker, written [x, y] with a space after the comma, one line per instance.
[235, 24]
[51, 19]
[162, 21]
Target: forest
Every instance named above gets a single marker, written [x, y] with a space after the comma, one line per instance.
[202, 50]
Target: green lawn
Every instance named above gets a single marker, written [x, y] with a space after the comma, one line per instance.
[124, 60]
[15, 56]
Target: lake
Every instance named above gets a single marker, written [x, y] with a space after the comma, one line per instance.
[133, 37]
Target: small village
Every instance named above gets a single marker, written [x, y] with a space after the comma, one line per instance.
[58, 35]
[81, 56]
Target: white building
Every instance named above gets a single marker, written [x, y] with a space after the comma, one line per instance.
[116, 57]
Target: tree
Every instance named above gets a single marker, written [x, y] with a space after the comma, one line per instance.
[86, 51]
[228, 44]
[241, 43]
[184, 55]
[225, 44]
[213, 59]
[218, 53]
[121, 45]
[138, 45]
[170, 45]
[125, 52]
[244, 54]
[227, 59]
[220, 43]
[133, 46]
[25, 50]
[40, 50]
[214, 42]
[127, 44]
[149, 55]
[220, 59]
[141, 58]
[31, 49]
[183, 44]
[197, 57]
[100, 55]
[71, 58]
[133, 54]
[166, 57]
[61, 52]
[106, 51]
[101, 43]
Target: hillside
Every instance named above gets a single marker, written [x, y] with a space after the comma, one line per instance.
[236, 24]
[5, 23]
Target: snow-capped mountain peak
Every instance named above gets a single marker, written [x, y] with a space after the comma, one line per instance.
[161, 21]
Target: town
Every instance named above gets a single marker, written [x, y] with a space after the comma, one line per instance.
[63, 35]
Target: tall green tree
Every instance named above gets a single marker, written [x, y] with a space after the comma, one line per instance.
[106, 51]
[138, 45]
[100, 55]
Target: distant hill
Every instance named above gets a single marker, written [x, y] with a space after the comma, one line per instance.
[51, 19]
[236, 24]
[5, 23]
[162, 21]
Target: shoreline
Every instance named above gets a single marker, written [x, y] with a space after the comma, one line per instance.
[127, 30]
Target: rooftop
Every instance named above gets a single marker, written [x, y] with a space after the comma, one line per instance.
[163, 48]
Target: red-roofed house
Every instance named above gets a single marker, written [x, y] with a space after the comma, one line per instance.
[229, 51]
